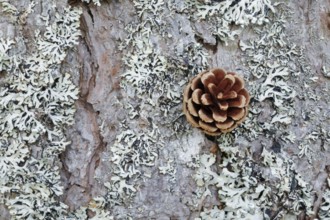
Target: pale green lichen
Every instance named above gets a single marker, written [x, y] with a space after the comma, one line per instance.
[37, 104]
[170, 170]
[37, 99]
[5, 58]
[326, 71]
[229, 17]
[130, 152]
[153, 82]
[267, 58]
[276, 63]
[249, 189]
[97, 206]
[95, 2]
[324, 212]
[14, 14]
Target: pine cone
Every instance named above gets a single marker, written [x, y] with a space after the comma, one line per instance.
[216, 101]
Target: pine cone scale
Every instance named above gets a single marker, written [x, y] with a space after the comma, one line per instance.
[207, 78]
[196, 83]
[219, 115]
[192, 108]
[219, 74]
[228, 95]
[223, 105]
[213, 89]
[205, 115]
[225, 125]
[239, 102]
[186, 94]
[236, 113]
[208, 127]
[226, 84]
[245, 93]
[206, 99]
[238, 85]
[197, 95]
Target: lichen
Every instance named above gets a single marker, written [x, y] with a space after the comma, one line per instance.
[252, 189]
[170, 170]
[96, 206]
[324, 212]
[325, 71]
[267, 58]
[153, 83]
[36, 101]
[37, 104]
[96, 2]
[228, 18]
[130, 152]
[247, 188]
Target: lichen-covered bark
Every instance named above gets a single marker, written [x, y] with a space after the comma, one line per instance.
[101, 116]
[101, 64]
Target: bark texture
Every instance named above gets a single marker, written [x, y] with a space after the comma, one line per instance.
[99, 64]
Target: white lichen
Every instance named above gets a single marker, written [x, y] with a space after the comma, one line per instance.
[169, 169]
[324, 212]
[5, 58]
[267, 58]
[252, 189]
[325, 71]
[130, 153]
[226, 14]
[95, 2]
[96, 206]
[153, 82]
[36, 106]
